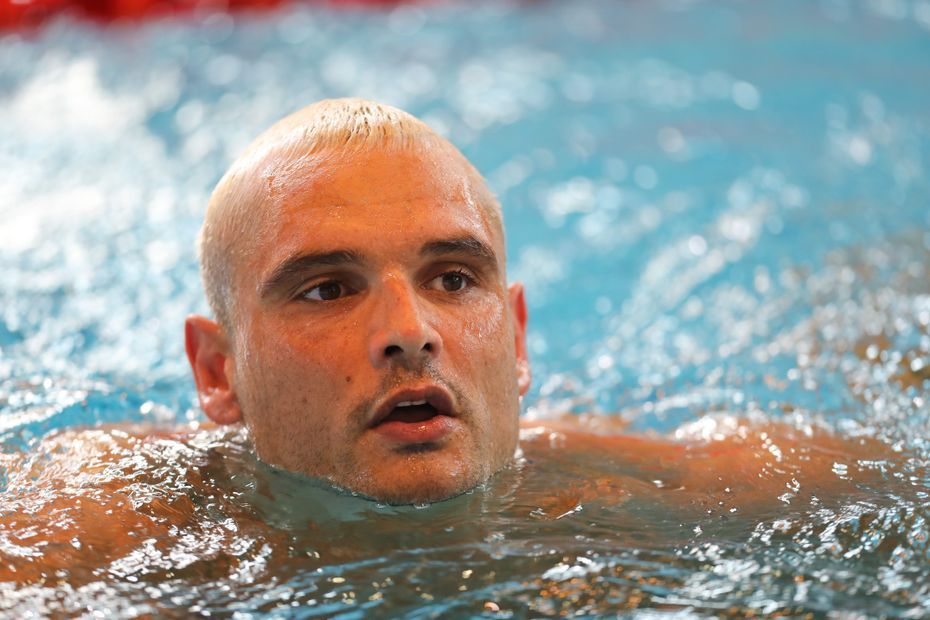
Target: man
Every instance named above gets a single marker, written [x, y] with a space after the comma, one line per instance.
[365, 334]
[365, 329]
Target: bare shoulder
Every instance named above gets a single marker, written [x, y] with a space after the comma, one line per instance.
[75, 456]
[758, 463]
[72, 497]
[710, 436]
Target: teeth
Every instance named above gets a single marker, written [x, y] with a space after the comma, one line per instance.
[411, 403]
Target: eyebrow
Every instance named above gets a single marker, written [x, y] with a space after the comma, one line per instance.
[296, 266]
[463, 245]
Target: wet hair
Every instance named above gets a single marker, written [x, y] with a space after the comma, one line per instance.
[305, 139]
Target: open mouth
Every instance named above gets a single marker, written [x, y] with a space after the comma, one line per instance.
[411, 412]
[416, 416]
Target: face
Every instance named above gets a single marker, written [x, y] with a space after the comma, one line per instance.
[377, 343]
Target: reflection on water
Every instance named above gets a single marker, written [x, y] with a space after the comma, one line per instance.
[719, 210]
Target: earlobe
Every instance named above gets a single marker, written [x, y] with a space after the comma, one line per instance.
[208, 354]
[518, 311]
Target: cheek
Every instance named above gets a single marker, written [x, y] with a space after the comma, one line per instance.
[482, 328]
[489, 348]
[300, 346]
[491, 331]
[289, 371]
[299, 381]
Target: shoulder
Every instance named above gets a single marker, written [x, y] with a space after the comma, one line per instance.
[80, 456]
[80, 499]
[724, 452]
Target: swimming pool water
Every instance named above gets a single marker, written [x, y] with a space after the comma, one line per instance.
[717, 207]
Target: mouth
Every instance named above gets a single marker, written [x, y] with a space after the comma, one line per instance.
[411, 412]
[415, 416]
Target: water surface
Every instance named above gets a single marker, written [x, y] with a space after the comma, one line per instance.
[717, 207]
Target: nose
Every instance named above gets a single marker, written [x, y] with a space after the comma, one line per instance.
[400, 331]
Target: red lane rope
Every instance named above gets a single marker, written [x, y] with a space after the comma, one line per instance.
[20, 14]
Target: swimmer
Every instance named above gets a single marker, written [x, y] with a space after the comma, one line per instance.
[365, 334]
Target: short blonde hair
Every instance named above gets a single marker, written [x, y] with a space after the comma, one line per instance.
[341, 126]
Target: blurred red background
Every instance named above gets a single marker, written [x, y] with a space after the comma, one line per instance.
[17, 14]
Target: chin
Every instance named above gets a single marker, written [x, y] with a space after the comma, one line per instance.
[419, 479]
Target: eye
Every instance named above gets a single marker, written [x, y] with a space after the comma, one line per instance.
[451, 281]
[326, 291]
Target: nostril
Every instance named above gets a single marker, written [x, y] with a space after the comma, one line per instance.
[393, 350]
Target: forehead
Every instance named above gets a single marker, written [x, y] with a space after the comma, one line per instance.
[371, 197]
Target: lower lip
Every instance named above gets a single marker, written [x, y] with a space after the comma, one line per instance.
[427, 431]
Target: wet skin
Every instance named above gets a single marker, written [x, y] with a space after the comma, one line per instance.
[377, 344]
[376, 341]
[89, 505]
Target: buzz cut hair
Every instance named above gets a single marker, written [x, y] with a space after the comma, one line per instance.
[303, 139]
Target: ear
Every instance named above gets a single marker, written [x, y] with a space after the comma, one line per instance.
[208, 352]
[518, 311]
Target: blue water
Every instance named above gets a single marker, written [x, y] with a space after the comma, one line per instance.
[715, 206]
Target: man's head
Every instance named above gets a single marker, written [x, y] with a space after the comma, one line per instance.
[365, 330]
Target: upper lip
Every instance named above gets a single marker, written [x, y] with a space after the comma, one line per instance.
[434, 395]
